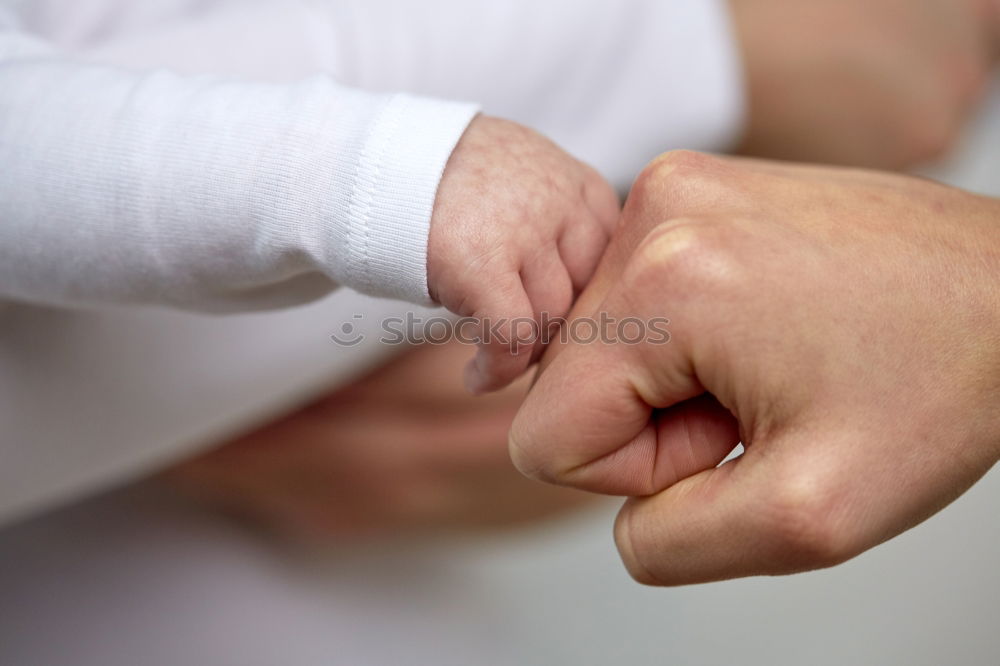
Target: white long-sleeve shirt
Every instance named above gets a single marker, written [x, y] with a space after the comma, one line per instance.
[219, 183]
[150, 187]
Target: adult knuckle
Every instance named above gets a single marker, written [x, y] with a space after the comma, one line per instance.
[673, 178]
[684, 254]
[803, 527]
[674, 159]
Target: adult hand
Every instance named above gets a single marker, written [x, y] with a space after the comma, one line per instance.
[405, 449]
[879, 83]
[844, 325]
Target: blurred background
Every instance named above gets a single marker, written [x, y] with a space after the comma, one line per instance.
[381, 523]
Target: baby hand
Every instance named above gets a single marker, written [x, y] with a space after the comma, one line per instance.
[517, 231]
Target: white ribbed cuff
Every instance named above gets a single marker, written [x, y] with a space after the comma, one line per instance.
[393, 195]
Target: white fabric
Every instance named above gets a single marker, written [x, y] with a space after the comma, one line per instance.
[202, 192]
[616, 82]
[90, 398]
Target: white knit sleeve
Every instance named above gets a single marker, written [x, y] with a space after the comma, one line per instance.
[206, 193]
